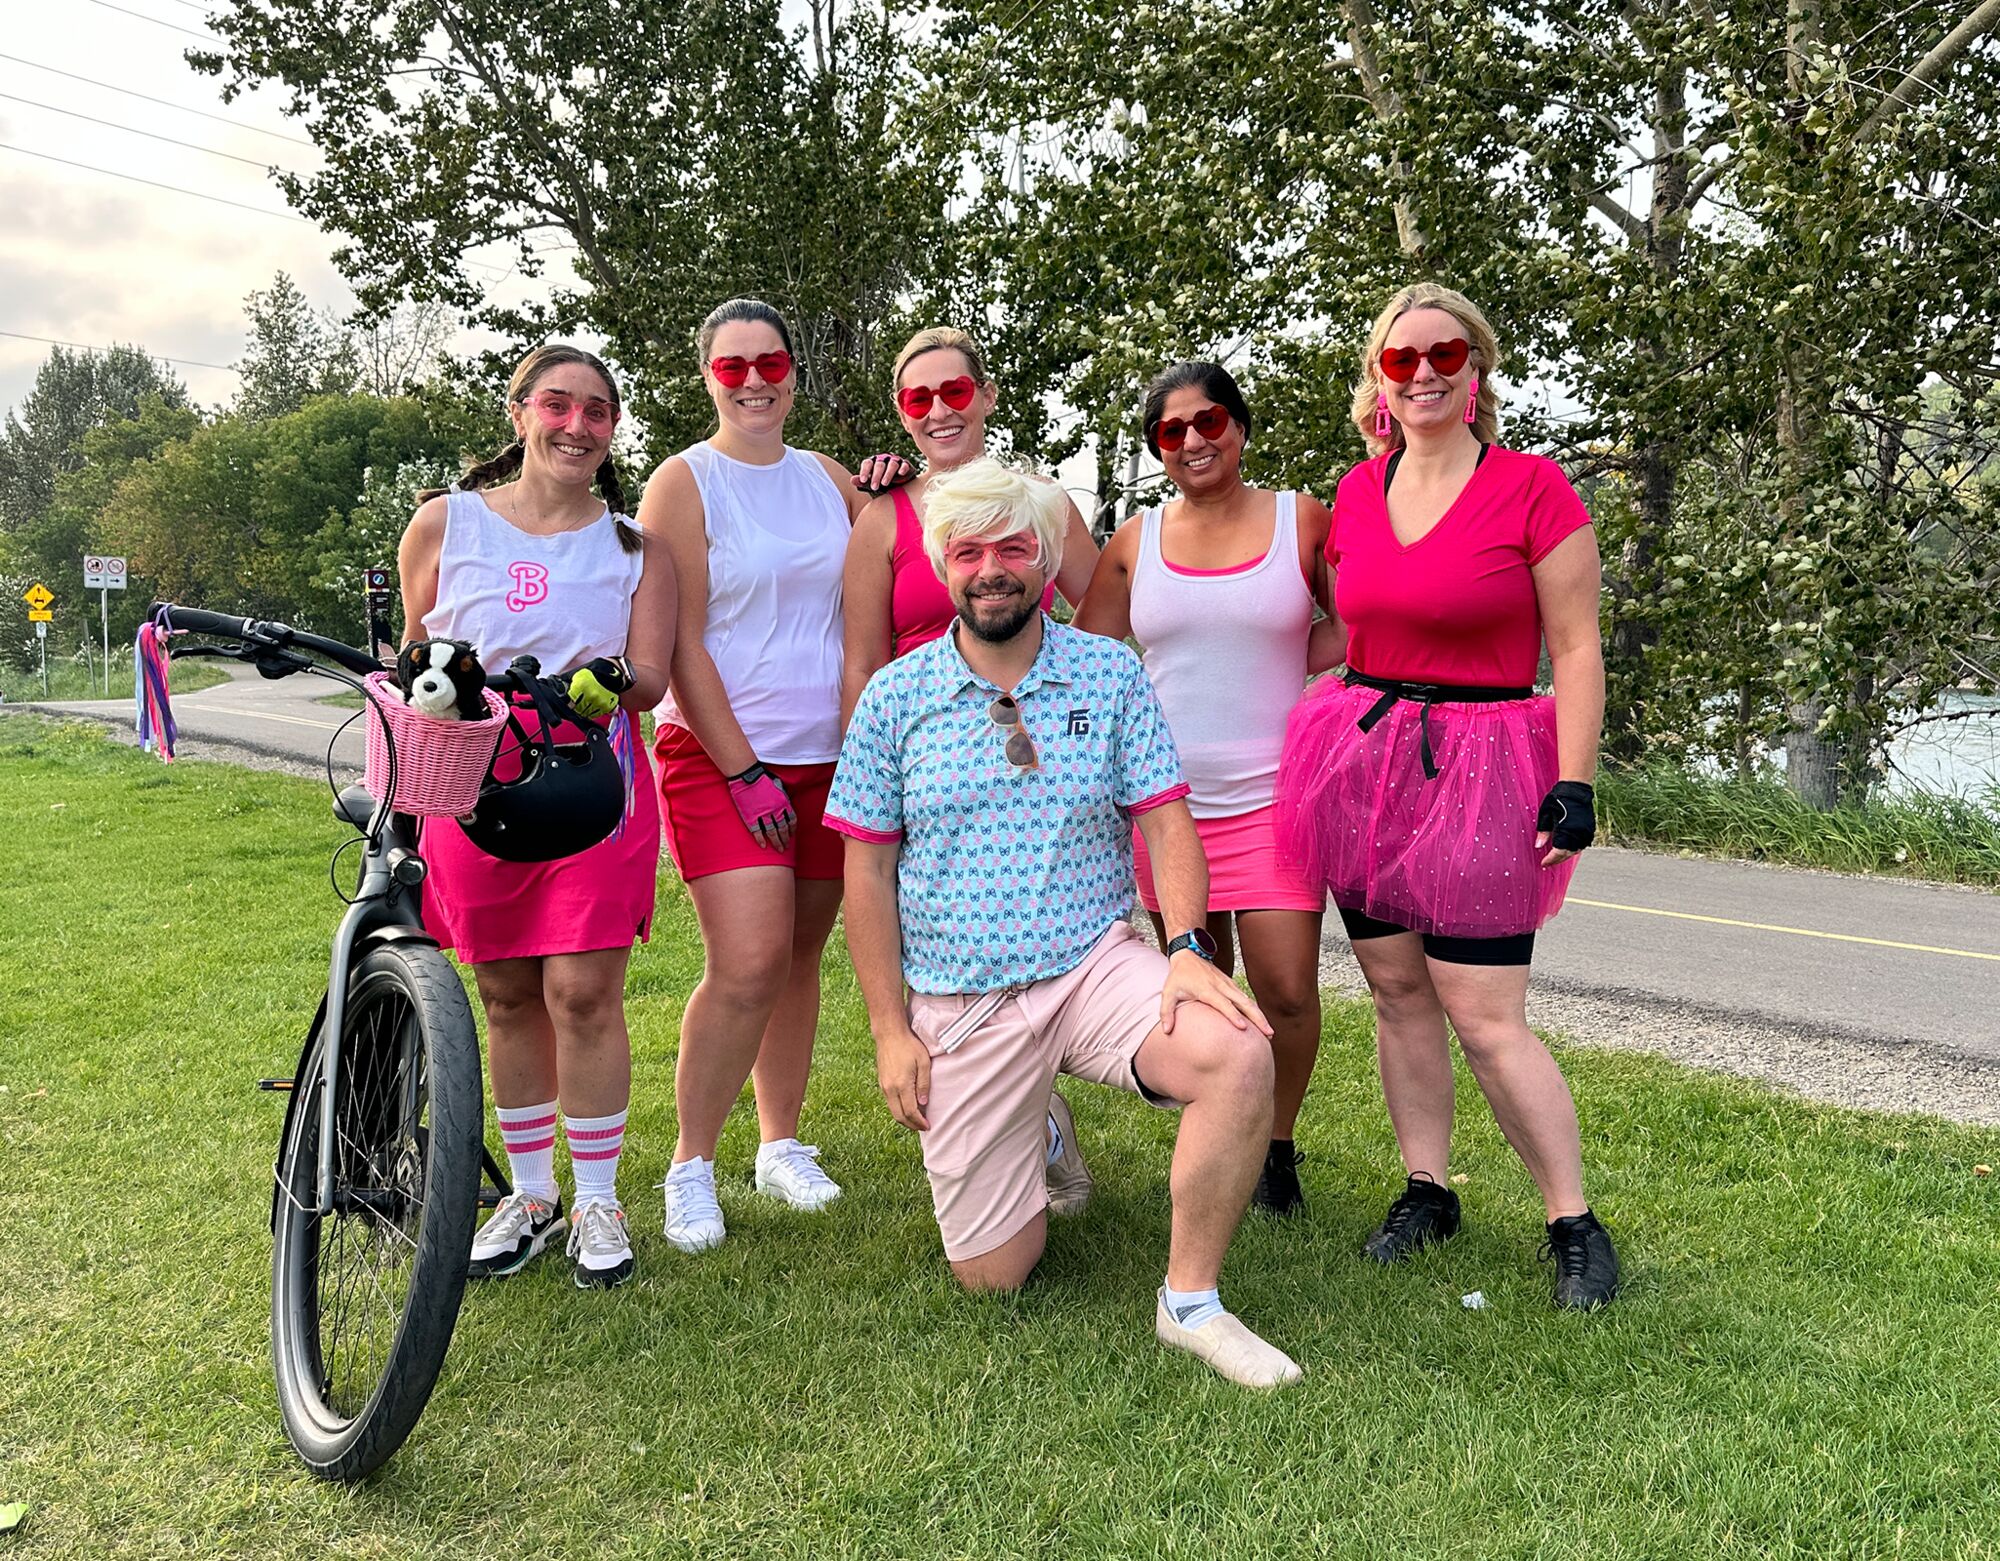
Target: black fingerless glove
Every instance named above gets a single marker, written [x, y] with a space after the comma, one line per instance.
[1568, 815]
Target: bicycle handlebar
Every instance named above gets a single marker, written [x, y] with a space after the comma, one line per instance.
[278, 636]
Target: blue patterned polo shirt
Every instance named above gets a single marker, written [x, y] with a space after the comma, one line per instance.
[1006, 876]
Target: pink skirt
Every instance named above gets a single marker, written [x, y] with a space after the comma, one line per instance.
[1245, 870]
[1454, 856]
[486, 909]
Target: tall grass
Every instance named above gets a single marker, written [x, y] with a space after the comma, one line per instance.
[71, 678]
[1954, 839]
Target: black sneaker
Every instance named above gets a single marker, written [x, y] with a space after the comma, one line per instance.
[1586, 1263]
[1422, 1216]
[1278, 1183]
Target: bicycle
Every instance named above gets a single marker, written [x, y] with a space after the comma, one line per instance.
[378, 1175]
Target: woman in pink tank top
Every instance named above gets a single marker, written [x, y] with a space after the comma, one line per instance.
[1431, 792]
[1220, 587]
[541, 566]
[893, 600]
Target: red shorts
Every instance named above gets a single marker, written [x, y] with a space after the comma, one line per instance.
[706, 835]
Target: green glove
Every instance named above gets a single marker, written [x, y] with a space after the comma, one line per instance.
[594, 687]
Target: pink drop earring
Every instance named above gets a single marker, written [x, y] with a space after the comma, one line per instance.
[1472, 399]
[1382, 425]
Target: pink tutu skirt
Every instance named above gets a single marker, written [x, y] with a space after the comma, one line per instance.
[485, 909]
[1454, 856]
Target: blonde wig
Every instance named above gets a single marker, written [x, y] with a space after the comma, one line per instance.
[1484, 362]
[990, 499]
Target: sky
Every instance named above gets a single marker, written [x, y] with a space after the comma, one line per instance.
[90, 256]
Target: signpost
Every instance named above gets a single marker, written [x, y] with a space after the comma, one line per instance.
[377, 582]
[104, 575]
[38, 597]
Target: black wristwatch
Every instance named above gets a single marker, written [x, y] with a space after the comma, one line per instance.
[1197, 941]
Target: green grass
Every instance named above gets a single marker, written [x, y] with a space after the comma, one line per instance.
[1951, 839]
[72, 680]
[1805, 1363]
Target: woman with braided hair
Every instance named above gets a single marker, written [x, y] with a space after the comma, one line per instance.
[522, 557]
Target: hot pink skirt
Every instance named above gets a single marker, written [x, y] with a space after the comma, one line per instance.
[486, 909]
[1245, 870]
[1453, 856]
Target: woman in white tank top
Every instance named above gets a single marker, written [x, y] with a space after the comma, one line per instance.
[1219, 588]
[541, 566]
[747, 739]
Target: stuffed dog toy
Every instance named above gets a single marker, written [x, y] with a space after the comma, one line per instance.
[443, 678]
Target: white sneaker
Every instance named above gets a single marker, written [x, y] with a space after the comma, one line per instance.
[694, 1218]
[1067, 1177]
[600, 1244]
[522, 1224]
[790, 1170]
[1232, 1349]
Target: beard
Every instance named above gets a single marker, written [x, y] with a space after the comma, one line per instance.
[1015, 614]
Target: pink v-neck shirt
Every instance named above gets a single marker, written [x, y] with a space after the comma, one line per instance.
[1458, 605]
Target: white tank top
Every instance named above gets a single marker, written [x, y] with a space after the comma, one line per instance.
[564, 599]
[777, 541]
[1227, 654]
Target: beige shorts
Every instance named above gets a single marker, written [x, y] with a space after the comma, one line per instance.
[994, 1058]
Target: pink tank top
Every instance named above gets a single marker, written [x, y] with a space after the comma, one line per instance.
[919, 606]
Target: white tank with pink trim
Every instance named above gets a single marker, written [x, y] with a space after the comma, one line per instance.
[1226, 651]
[564, 599]
[777, 542]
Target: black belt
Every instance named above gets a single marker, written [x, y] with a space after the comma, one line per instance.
[1426, 695]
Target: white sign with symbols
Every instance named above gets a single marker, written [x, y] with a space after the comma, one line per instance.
[103, 574]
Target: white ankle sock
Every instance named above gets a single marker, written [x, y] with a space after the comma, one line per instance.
[529, 1132]
[594, 1145]
[1192, 1308]
[776, 1146]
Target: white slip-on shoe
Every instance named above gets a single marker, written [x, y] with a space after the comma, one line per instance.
[522, 1224]
[1229, 1347]
[694, 1218]
[1068, 1177]
[790, 1170]
[601, 1245]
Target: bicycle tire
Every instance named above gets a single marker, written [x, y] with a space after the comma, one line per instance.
[364, 1299]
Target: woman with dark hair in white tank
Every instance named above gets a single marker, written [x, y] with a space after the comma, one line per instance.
[746, 742]
[1219, 587]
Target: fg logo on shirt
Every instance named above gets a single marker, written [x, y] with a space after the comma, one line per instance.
[1079, 722]
[531, 586]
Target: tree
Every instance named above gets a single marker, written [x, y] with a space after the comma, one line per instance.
[675, 154]
[74, 392]
[294, 353]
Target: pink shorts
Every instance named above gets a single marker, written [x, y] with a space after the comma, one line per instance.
[994, 1058]
[705, 833]
[1245, 871]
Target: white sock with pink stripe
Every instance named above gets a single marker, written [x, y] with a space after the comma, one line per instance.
[529, 1132]
[594, 1144]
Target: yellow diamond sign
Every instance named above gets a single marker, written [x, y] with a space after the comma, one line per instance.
[38, 596]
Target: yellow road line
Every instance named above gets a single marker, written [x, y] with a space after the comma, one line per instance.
[260, 715]
[1797, 932]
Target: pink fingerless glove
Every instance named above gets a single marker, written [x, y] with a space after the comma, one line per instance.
[760, 797]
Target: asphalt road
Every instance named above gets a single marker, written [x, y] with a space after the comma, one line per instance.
[1865, 990]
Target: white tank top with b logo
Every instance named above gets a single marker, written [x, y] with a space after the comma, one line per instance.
[564, 599]
[777, 542]
[1226, 650]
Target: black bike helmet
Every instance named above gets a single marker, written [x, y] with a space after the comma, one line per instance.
[568, 795]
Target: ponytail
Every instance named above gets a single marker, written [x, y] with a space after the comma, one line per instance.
[485, 474]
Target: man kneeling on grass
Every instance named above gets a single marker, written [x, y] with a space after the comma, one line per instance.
[987, 786]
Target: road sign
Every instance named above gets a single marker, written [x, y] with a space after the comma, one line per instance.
[38, 596]
[101, 573]
[42, 633]
[375, 578]
[40, 615]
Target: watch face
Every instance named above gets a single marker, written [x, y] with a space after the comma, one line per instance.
[1199, 939]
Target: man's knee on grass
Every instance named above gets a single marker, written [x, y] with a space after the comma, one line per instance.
[1007, 1266]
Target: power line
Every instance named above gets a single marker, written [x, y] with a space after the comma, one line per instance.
[84, 346]
[220, 119]
[171, 26]
[112, 124]
[221, 200]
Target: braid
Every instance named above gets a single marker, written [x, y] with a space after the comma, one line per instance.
[502, 466]
[614, 498]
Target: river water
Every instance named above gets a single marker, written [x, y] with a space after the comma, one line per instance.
[1959, 756]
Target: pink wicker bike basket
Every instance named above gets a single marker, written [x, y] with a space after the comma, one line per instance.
[440, 765]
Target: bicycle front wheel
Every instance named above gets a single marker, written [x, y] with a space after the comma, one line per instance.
[365, 1295]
